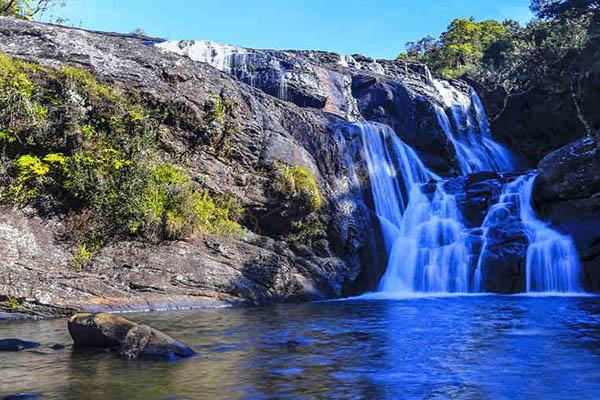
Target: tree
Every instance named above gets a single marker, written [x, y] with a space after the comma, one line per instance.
[553, 9]
[28, 9]
[459, 49]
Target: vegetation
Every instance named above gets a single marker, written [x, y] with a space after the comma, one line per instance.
[220, 126]
[30, 9]
[299, 187]
[506, 50]
[307, 231]
[298, 183]
[77, 147]
[561, 44]
[13, 303]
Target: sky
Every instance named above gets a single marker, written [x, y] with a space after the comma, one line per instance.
[376, 28]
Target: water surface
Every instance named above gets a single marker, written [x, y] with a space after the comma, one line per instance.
[469, 347]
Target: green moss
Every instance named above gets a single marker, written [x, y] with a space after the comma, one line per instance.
[87, 83]
[298, 183]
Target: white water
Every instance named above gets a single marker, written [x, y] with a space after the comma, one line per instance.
[429, 248]
[468, 131]
[424, 234]
[552, 260]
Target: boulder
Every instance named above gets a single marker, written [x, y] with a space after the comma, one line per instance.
[132, 340]
[567, 194]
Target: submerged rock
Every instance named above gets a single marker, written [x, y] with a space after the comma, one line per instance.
[16, 345]
[132, 340]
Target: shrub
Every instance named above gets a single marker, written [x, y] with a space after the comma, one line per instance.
[221, 125]
[104, 169]
[298, 183]
[307, 231]
[81, 257]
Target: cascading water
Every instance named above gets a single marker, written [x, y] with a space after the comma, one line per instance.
[552, 260]
[475, 149]
[429, 247]
[424, 234]
[551, 263]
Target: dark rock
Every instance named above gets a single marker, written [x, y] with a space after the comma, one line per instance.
[475, 194]
[22, 396]
[566, 192]
[145, 342]
[98, 330]
[57, 347]
[545, 118]
[504, 257]
[16, 345]
[102, 330]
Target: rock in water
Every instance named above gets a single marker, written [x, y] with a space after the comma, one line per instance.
[16, 345]
[132, 340]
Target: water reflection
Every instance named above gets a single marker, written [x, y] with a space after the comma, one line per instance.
[489, 347]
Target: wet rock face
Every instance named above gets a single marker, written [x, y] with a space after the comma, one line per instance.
[102, 330]
[567, 193]
[255, 269]
[504, 258]
[545, 118]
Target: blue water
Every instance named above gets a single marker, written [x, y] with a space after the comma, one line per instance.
[469, 347]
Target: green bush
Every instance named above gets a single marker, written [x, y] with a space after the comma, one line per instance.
[307, 231]
[92, 152]
[298, 183]
[220, 125]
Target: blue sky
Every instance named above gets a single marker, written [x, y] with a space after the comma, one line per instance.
[377, 28]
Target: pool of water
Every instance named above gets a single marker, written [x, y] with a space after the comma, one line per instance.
[471, 347]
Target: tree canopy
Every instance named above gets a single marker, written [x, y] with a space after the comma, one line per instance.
[28, 9]
[563, 8]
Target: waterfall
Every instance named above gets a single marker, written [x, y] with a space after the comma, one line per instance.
[426, 240]
[394, 169]
[551, 263]
[552, 260]
[468, 131]
[430, 249]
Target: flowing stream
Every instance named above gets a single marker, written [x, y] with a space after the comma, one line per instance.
[429, 247]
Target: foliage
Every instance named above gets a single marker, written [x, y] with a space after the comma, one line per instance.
[460, 48]
[30, 9]
[13, 303]
[307, 231]
[298, 183]
[563, 8]
[81, 257]
[79, 147]
[512, 57]
[221, 124]
[173, 209]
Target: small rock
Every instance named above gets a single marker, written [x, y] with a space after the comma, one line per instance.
[16, 345]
